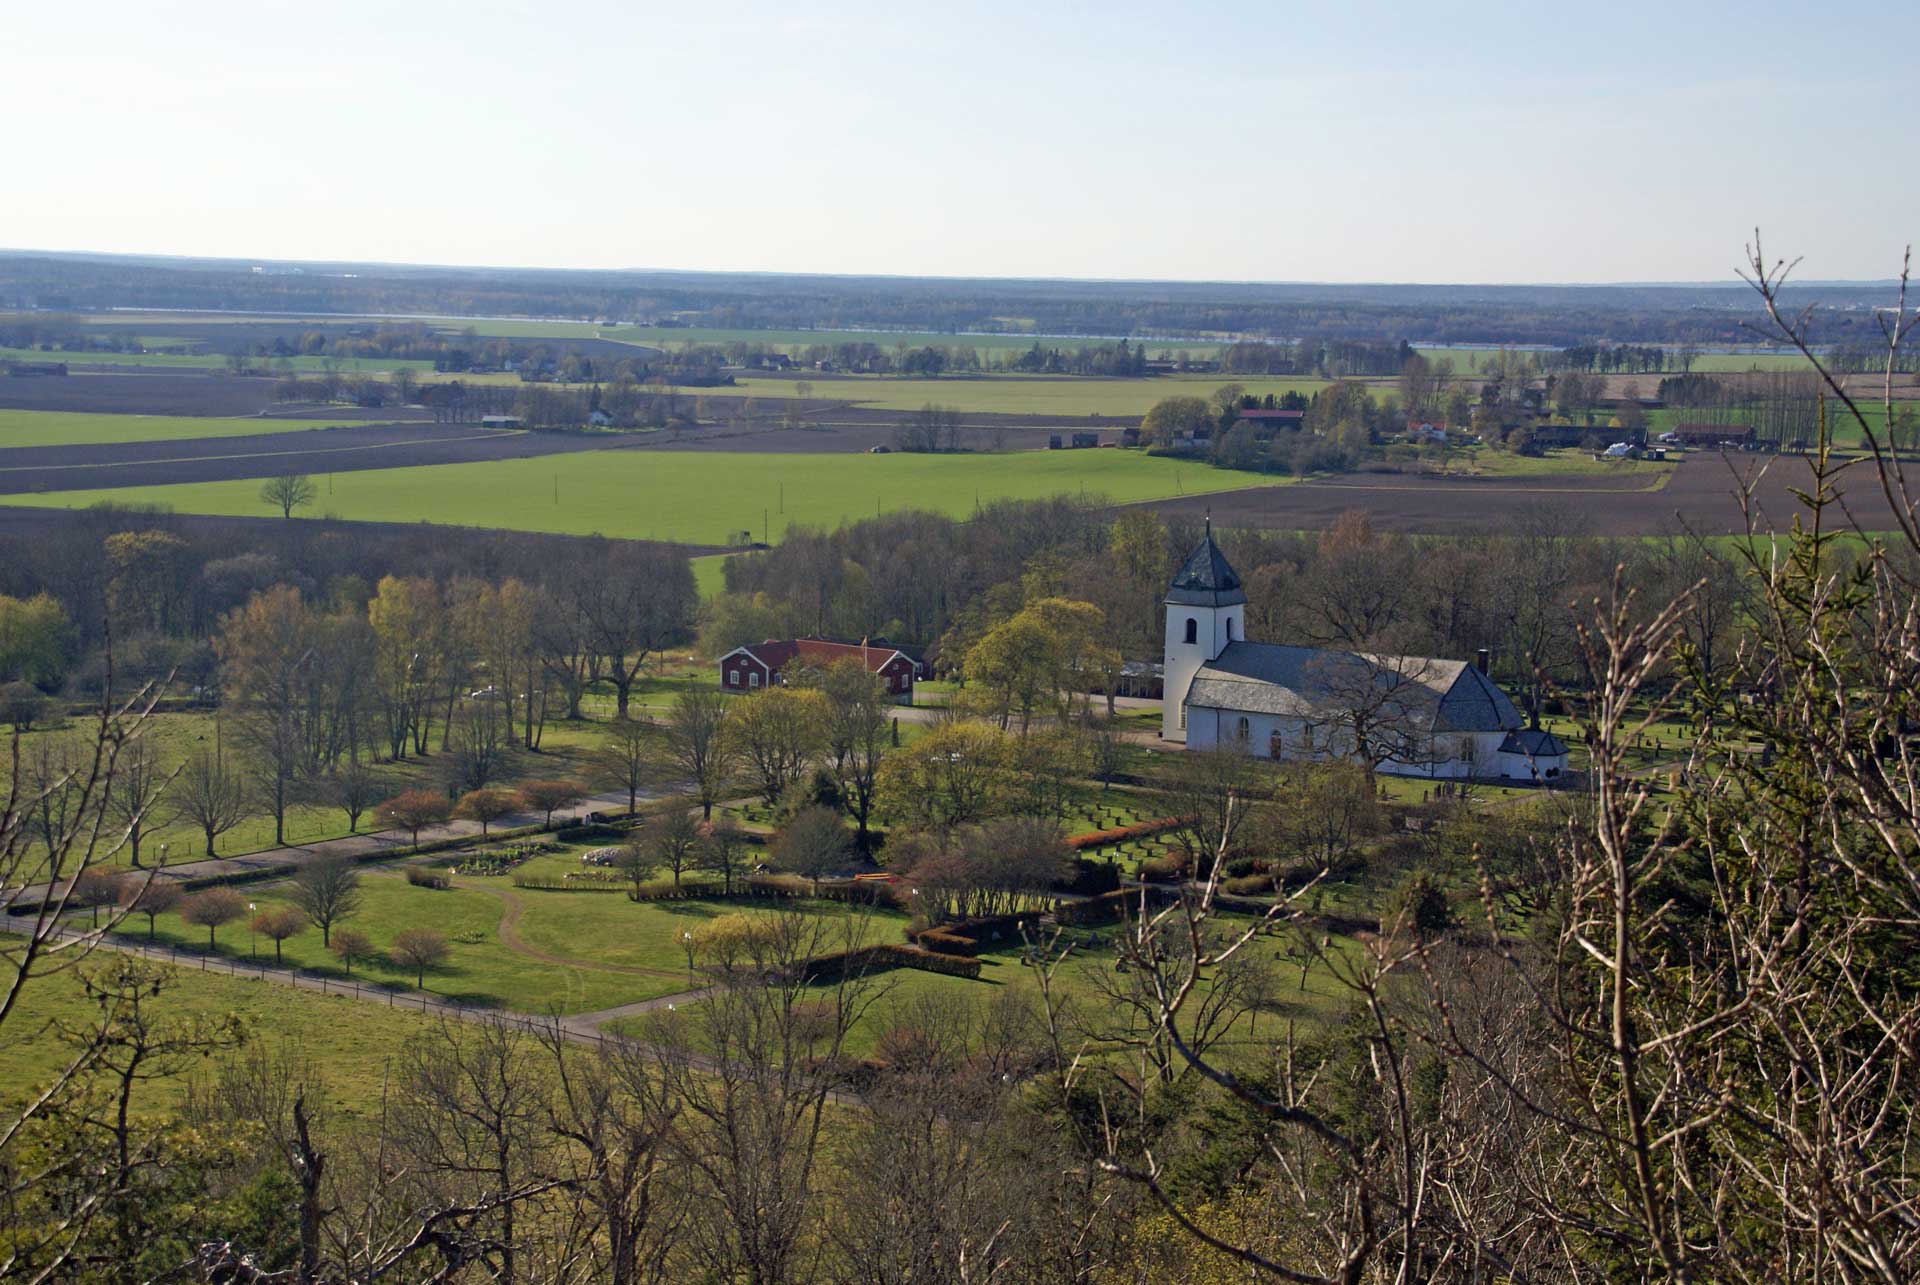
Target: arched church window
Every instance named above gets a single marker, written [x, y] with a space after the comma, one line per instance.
[1243, 729]
[1193, 630]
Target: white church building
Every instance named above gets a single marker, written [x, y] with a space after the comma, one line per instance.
[1408, 716]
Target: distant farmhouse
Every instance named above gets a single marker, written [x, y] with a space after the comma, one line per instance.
[1403, 715]
[764, 664]
[1708, 435]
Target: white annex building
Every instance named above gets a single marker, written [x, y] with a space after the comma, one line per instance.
[1412, 717]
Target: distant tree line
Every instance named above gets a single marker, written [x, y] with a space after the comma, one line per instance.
[1554, 315]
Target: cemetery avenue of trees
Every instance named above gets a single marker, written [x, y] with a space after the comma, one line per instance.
[393, 902]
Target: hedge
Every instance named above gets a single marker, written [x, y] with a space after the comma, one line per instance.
[874, 959]
[949, 943]
[1120, 834]
[989, 928]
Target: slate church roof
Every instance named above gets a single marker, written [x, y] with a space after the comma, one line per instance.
[1428, 696]
[1206, 579]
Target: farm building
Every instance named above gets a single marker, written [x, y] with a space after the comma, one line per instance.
[1710, 434]
[1413, 716]
[1273, 418]
[500, 421]
[758, 665]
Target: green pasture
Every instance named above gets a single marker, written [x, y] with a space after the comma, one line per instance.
[564, 952]
[1007, 394]
[1077, 988]
[74, 428]
[1566, 462]
[789, 341]
[709, 574]
[347, 1038]
[699, 497]
[480, 970]
[565, 752]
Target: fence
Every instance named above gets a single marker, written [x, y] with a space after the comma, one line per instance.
[324, 985]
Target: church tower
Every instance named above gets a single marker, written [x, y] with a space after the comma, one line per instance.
[1206, 610]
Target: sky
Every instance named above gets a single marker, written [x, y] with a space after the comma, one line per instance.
[1267, 140]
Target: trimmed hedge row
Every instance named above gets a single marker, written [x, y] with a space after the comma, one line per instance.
[873, 959]
[949, 943]
[987, 928]
[1120, 834]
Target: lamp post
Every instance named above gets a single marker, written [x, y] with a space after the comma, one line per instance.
[686, 944]
[253, 930]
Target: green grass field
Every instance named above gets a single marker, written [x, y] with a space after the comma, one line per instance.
[345, 1037]
[1011, 394]
[566, 748]
[699, 497]
[68, 428]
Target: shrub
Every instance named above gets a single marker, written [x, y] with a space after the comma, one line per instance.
[1090, 878]
[1248, 886]
[1120, 834]
[420, 877]
[1163, 869]
[1418, 904]
[589, 832]
[21, 705]
[942, 942]
[874, 959]
[667, 890]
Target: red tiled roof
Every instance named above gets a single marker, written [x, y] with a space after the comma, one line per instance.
[775, 652]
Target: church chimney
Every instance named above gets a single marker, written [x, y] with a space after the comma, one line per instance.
[1482, 659]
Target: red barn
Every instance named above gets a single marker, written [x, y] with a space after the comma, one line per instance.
[757, 665]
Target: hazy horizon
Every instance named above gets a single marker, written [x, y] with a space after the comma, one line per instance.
[1227, 142]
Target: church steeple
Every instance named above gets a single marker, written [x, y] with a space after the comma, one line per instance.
[1206, 613]
[1206, 579]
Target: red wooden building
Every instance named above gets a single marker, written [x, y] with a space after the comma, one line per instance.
[757, 665]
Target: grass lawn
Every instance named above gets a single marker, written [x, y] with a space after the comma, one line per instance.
[347, 1038]
[480, 970]
[68, 428]
[1566, 462]
[1077, 983]
[607, 928]
[700, 497]
[176, 736]
[710, 575]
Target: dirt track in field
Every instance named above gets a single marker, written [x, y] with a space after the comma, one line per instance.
[1702, 496]
[20, 523]
[31, 469]
[173, 393]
